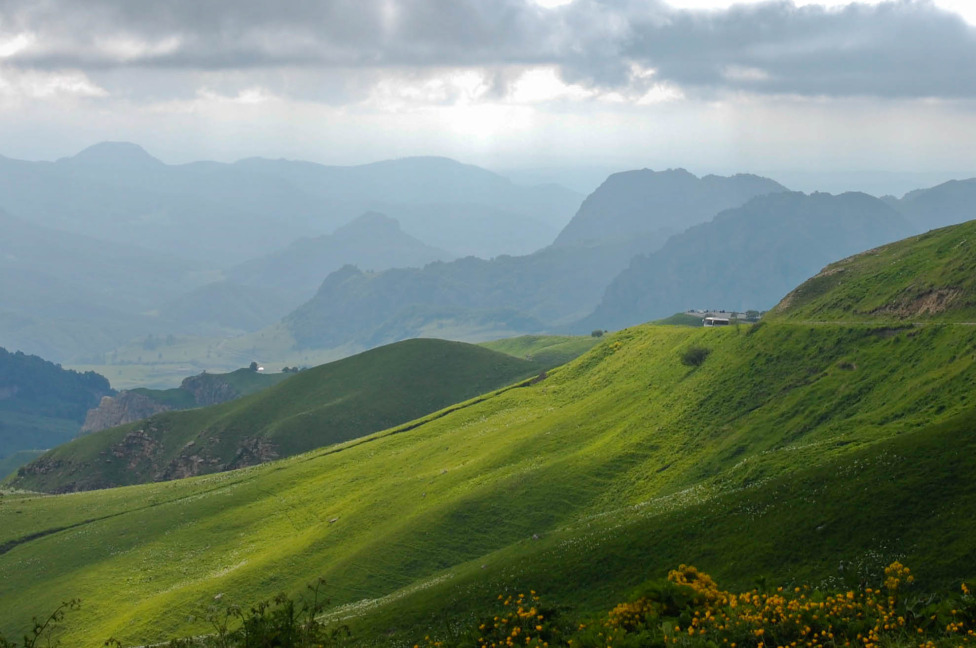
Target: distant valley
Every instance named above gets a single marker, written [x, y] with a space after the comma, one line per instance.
[111, 244]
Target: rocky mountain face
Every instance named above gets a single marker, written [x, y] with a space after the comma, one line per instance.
[207, 389]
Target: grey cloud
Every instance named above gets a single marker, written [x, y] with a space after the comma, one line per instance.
[902, 48]
[256, 33]
[895, 49]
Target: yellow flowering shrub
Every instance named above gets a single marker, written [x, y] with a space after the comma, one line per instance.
[690, 610]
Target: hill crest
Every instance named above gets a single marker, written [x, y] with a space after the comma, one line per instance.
[325, 405]
[926, 278]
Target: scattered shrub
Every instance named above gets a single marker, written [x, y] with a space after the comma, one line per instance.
[282, 622]
[694, 356]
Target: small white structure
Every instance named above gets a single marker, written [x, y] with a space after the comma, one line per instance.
[715, 321]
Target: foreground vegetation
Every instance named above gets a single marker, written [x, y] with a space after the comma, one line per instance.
[686, 609]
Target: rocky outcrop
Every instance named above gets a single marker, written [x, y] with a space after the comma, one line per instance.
[208, 389]
[127, 407]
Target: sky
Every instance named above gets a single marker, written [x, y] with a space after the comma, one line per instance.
[794, 89]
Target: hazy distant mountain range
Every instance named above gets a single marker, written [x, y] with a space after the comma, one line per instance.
[641, 202]
[616, 263]
[631, 213]
[111, 246]
[222, 214]
[63, 293]
[256, 293]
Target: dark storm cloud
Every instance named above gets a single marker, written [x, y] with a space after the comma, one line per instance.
[899, 49]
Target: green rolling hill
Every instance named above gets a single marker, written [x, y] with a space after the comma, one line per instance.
[796, 445]
[548, 350]
[926, 278]
[329, 404]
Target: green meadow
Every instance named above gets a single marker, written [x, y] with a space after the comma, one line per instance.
[546, 350]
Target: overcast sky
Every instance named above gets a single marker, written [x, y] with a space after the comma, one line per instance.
[711, 85]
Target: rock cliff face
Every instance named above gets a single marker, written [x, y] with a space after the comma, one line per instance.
[200, 391]
[208, 389]
[127, 407]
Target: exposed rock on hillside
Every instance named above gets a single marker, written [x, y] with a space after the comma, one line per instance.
[207, 391]
[127, 407]
[195, 391]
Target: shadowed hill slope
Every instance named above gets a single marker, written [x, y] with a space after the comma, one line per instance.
[41, 404]
[326, 405]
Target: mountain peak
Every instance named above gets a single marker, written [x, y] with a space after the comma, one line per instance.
[113, 154]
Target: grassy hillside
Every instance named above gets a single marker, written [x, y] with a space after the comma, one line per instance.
[926, 278]
[546, 350]
[317, 407]
[792, 448]
[624, 431]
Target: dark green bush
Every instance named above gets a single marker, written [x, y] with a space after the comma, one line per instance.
[694, 356]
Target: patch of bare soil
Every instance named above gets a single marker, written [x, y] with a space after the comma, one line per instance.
[930, 302]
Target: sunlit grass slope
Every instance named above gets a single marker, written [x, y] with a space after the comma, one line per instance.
[624, 433]
[329, 404]
[924, 278]
[546, 350]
